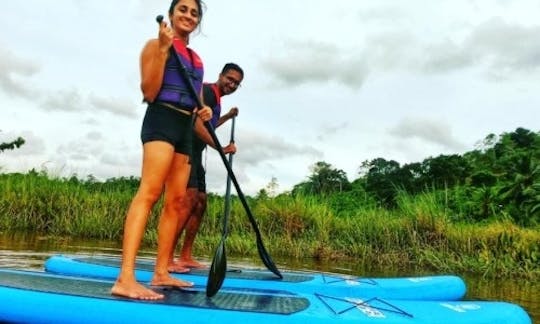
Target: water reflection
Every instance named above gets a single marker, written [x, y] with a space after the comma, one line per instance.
[30, 252]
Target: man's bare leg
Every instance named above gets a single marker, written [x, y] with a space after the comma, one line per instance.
[192, 228]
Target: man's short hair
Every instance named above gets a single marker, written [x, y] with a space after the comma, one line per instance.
[232, 66]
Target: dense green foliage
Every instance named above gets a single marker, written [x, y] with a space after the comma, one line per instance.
[478, 212]
[500, 179]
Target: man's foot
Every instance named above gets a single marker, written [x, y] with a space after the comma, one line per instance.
[191, 263]
[169, 281]
[134, 290]
[177, 268]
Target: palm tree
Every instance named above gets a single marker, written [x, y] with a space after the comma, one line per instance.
[522, 191]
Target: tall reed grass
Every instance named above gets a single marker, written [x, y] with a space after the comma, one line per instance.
[418, 233]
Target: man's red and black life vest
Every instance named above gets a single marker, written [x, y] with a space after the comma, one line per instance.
[214, 103]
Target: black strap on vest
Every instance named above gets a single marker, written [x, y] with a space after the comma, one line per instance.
[187, 79]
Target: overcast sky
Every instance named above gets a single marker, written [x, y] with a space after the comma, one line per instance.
[339, 81]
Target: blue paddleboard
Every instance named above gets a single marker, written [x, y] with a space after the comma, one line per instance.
[443, 287]
[39, 297]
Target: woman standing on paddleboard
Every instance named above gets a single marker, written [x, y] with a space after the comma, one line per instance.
[166, 136]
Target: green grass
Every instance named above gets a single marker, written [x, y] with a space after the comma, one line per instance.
[418, 233]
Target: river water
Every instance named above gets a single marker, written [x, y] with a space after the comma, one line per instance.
[30, 252]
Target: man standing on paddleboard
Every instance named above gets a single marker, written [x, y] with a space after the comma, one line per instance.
[228, 82]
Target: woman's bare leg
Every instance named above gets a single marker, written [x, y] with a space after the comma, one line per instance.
[173, 218]
[157, 158]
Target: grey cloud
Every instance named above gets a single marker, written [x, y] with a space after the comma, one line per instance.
[105, 160]
[85, 148]
[430, 131]
[13, 74]
[113, 159]
[506, 47]
[257, 149]
[500, 48]
[307, 62]
[330, 130]
[383, 16]
[446, 56]
[390, 50]
[64, 100]
[92, 121]
[72, 101]
[116, 106]
[120, 156]
[94, 136]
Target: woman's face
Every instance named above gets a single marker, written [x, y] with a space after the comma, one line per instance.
[185, 16]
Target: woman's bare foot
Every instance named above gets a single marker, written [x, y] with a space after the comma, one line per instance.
[169, 281]
[134, 290]
[191, 263]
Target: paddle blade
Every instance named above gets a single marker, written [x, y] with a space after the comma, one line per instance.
[217, 271]
[267, 260]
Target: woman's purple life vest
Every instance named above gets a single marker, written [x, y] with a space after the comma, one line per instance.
[174, 89]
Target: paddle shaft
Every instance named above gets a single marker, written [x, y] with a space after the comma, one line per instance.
[228, 188]
[216, 273]
[265, 257]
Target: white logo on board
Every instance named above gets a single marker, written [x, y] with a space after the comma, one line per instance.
[352, 282]
[366, 309]
[419, 279]
[461, 308]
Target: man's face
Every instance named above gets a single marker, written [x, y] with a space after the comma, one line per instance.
[229, 81]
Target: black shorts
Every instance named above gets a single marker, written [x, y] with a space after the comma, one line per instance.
[198, 174]
[162, 123]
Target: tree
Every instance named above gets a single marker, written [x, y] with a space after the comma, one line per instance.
[382, 179]
[323, 180]
[12, 145]
[298, 189]
[483, 202]
[326, 180]
[446, 170]
[523, 138]
[521, 192]
[411, 177]
[270, 191]
[272, 187]
[483, 158]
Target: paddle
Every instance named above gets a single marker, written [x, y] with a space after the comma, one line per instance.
[217, 271]
[265, 257]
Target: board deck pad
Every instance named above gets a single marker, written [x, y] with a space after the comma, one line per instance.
[234, 273]
[249, 302]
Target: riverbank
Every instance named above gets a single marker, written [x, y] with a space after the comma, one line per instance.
[418, 234]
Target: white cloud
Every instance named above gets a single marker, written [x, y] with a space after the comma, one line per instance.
[343, 82]
[116, 106]
[14, 74]
[430, 131]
